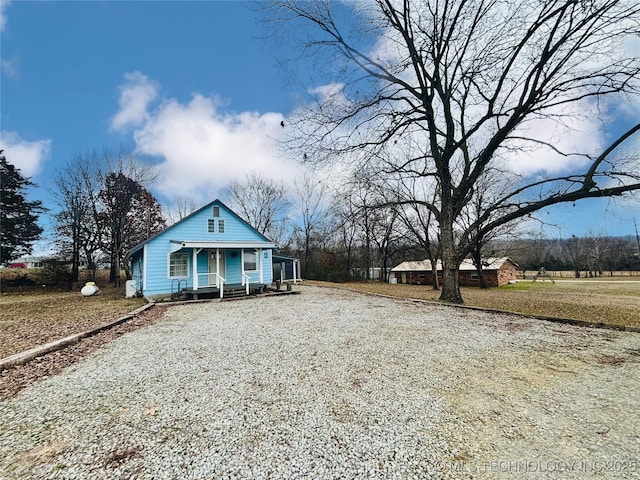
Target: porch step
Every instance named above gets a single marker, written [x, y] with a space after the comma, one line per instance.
[230, 291]
[235, 292]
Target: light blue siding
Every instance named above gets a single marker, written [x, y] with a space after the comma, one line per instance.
[137, 271]
[195, 228]
[234, 266]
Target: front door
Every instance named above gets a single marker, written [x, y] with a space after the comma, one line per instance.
[213, 264]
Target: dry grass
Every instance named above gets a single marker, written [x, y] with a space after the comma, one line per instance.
[36, 315]
[31, 316]
[599, 301]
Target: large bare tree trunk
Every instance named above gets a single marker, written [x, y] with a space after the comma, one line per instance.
[450, 265]
[470, 94]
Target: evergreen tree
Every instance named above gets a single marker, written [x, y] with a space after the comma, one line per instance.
[19, 227]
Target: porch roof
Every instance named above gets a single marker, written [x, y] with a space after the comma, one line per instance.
[179, 244]
[488, 264]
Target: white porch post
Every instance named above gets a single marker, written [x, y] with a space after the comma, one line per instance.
[295, 271]
[261, 264]
[217, 268]
[195, 268]
[242, 265]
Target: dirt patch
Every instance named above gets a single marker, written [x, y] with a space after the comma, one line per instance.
[16, 378]
[35, 317]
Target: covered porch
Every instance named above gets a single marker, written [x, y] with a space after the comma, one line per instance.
[214, 267]
[286, 269]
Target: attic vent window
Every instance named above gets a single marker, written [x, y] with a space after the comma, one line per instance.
[216, 211]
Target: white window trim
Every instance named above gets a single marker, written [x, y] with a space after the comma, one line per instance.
[243, 262]
[169, 265]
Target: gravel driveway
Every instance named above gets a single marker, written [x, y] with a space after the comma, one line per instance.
[334, 384]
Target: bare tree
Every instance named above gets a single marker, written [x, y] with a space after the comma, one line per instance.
[489, 187]
[418, 223]
[76, 230]
[263, 203]
[144, 219]
[596, 246]
[533, 252]
[386, 237]
[574, 250]
[311, 214]
[181, 208]
[121, 179]
[346, 227]
[470, 81]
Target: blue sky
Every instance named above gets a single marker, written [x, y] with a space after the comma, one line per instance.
[193, 85]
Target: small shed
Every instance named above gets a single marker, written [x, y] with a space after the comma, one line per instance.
[497, 271]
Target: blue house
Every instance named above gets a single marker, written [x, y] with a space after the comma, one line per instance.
[209, 251]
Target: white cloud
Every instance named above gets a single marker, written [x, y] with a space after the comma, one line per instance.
[25, 155]
[204, 149]
[332, 92]
[8, 68]
[575, 132]
[3, 16]
[135, 96]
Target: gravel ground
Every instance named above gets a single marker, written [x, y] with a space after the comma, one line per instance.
[335, 384]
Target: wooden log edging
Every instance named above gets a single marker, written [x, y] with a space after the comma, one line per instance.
[28, 355]
[24, 357]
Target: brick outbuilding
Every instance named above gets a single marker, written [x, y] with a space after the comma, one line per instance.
[497, 271]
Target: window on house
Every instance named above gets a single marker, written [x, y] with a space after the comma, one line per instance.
[216, 211]
[220, 226]
[211, 225]
[250, 261]
[178, 265]
[474, 276]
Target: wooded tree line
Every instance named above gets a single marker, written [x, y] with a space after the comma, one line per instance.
[102, 209]
[590, 256]
[338, 232]
[343, 234]
[441, 112]
[465, 112]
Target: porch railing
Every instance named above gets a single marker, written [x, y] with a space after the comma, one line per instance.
[220, 281]
[246, 280]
